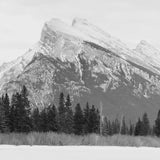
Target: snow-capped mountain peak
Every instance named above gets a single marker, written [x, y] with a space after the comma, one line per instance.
[86, 27]
[81, 30]
[104, 39]
[149, 53]
[147, 48]
[59, 26]
[85, 31]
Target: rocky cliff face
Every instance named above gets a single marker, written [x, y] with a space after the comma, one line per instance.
[88, 64]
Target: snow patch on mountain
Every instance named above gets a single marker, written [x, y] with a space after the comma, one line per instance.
[60, 27]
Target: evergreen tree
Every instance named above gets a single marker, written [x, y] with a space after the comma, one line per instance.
[97, 122]
[36, 120]
[68, 101]
[20, 112]
[13, 114]
[61, 113]
[105, 127]
[110, 128]
[69, 120]
[91, 119]
[6, 105]
[115, 126]
[68, 116]
[131, 129]
[52, 120]
[27, 109]
[22, 123]
[16, 118]
[138, 128]
[145, 125]
[3, 122]
[78, 120]
[123, 127]
[152, 130]
[157, 125]
[86, 118]
[43, 121]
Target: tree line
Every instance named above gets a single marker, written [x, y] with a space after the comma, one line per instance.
[17, 116]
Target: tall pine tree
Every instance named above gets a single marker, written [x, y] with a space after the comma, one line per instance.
[123, 127]
[20, 112]
[86, 118]
[94, 120]
[131, 129]
[69, 122]
[3, 122]
[157, 125]
[61, 113]
[105, 127]
[145, 125]
[26, 108]
[138, 128]
[35, 120]
[78, 120]
[13, 116]
[6, 105]
[52, 119]
[43, 121]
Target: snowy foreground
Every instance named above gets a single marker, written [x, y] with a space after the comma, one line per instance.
[78, 153]
[35, 146]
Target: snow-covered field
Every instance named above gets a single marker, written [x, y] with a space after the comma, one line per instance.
[42, 146]
[77, 153]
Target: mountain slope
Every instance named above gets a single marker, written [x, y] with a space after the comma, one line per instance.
[9, 71]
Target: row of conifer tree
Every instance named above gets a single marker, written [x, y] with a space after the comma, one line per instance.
[17, 116]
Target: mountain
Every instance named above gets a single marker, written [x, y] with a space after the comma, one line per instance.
[90, 65]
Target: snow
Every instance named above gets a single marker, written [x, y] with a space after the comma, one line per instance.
[85, 31]
[77, 152]
[92, 31]
[123, 57]
[99, 36]
[149, 53]
[147, 49]
[60, 26]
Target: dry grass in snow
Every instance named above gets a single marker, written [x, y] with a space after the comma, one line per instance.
[51, 138]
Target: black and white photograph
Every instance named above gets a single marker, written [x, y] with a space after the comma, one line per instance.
[80, 73]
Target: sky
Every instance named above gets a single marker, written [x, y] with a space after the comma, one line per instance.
[21, 21]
